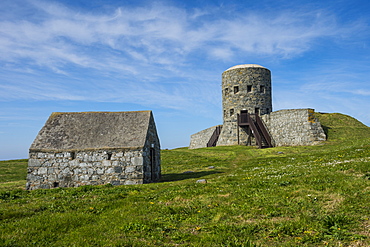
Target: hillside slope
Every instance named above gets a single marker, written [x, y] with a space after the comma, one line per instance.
[341, 127]
[286, 196]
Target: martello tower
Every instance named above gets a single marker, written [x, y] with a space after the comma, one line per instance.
[245, 89]
[248, 118]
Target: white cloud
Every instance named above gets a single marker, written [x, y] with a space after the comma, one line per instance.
[144, 34]
[135, 52]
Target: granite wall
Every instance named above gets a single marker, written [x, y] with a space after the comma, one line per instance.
[295, 127]
[246, 88]
[200, 139]
[72, 169]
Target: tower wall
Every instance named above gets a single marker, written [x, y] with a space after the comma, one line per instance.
[244, 88]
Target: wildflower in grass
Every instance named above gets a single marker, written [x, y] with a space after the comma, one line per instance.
[151, 202]
[198, 228]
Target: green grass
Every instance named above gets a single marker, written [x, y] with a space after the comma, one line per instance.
[12, 174]
[284, 196]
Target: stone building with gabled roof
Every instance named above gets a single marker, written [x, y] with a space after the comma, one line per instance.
[92, 148]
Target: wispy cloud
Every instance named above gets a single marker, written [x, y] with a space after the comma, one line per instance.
[156, 34]
[144, 54]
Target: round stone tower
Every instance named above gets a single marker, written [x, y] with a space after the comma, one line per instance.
[245, 89]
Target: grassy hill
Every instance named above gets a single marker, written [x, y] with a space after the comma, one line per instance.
[284, 196]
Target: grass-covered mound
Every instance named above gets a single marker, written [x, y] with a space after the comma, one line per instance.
[286, 196]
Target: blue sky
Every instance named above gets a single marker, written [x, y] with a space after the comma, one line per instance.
[168, 57]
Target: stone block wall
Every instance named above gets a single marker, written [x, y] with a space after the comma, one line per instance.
[72, 169]
[229, 134]
[246, 88]
[296, 127]
[152, 155]
[200, 139]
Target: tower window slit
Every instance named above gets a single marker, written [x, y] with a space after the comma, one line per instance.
[109, 156]
[257, 111]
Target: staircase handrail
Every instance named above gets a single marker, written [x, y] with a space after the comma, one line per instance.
[264, 131]
[214, 138]
[256, 133]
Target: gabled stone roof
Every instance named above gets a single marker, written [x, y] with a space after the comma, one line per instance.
[93, 130]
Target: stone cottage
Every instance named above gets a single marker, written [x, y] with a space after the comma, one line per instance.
[92, 148]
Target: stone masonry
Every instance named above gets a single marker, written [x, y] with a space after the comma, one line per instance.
[294, 127]
[91, 148]
[72, 169]
[200, 139]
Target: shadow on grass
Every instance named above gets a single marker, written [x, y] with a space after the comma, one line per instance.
[182, 176]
